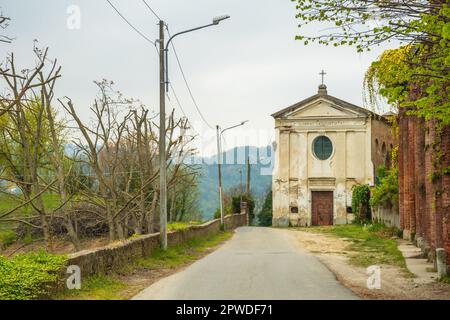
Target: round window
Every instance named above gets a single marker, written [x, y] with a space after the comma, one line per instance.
[323, 148]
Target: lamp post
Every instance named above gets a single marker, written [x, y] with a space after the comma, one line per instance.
[219, 165]
[163, 74]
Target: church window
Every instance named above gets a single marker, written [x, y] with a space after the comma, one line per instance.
[322, 147]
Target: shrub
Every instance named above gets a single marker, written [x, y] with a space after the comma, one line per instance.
[29, 276]
[361, 203]
[265, 215]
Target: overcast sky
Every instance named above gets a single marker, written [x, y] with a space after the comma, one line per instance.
[246, 68]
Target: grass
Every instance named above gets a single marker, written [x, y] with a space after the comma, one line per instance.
[445, 279]
[114, 287]
[96, 288]
[373, 245]
[177, 226]
[9, 202]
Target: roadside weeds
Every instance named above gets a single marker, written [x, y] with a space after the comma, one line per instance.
[348, 250]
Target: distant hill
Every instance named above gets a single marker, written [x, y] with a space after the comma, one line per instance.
[260, 174]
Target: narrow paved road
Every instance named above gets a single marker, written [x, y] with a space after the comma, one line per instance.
[257, 263]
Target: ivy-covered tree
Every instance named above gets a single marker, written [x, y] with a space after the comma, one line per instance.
[265, 215]
[415, 74]
[361, 203]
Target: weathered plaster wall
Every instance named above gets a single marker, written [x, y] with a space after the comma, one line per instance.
[388, 215]
[298, 172]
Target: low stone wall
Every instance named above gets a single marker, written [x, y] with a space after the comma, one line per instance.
[107, 259]
[387, 215]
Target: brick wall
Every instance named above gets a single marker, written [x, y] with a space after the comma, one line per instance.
[424, 196]
[446, 192]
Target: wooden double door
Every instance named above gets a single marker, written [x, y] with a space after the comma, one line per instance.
[322, 208]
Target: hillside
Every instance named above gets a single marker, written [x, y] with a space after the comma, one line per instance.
[260, 179]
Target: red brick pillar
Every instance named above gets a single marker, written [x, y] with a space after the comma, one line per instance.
[429, 189]
[438, 192]
[411, 174]
[419, 159]
[402, 127]
[445, 146]
[406, 178]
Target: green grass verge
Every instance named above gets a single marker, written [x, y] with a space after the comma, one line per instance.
[8, 202]
[373, 244]
[176, 226]
[445, 279]
[113, 287]
[99, 287]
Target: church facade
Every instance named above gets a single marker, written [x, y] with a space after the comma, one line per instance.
[325, 146]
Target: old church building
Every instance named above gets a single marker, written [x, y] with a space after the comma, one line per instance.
[324, 146]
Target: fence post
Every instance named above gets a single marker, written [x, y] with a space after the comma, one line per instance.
[244, 210]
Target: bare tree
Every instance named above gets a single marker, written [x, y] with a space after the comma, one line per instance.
[121, 149]
[4, 23]
[24, 139]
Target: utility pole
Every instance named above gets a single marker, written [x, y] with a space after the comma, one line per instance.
[162, 141]
[248, 176]
[164, 80]
[241, 190]
[219, 166]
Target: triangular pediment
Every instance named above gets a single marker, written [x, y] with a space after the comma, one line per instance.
[322, 106]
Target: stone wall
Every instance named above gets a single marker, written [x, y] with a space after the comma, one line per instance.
[112, 257]
[386, 214]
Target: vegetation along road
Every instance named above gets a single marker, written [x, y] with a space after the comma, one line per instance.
[257, 263]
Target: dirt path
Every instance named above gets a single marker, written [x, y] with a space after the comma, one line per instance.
[333, 252]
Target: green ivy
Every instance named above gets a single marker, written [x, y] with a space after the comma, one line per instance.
[361, 202]
[29, 276]
[386, 192]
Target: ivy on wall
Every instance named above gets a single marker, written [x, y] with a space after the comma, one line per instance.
[361, 203]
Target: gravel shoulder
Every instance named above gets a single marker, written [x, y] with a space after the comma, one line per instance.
[334, 253]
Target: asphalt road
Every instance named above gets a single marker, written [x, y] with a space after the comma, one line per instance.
[257, 263]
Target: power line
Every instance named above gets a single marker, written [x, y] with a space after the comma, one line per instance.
[187, 85]
[152, 11]
[181, 108]
[130, 24]
[177, 100]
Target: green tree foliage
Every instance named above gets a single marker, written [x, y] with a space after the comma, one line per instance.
[265, 215]
[361, 203]
[421, 65]
[29, 276]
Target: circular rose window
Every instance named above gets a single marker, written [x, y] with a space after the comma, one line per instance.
[322, 147]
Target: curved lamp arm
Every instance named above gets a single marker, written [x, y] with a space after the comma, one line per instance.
[215, 22]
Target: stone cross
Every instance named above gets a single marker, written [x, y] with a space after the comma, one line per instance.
[323, 73]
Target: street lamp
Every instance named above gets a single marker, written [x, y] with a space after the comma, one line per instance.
[219, 165]
[163, 86]
[215, 22]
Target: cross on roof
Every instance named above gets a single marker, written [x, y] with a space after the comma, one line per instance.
[323, 73]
